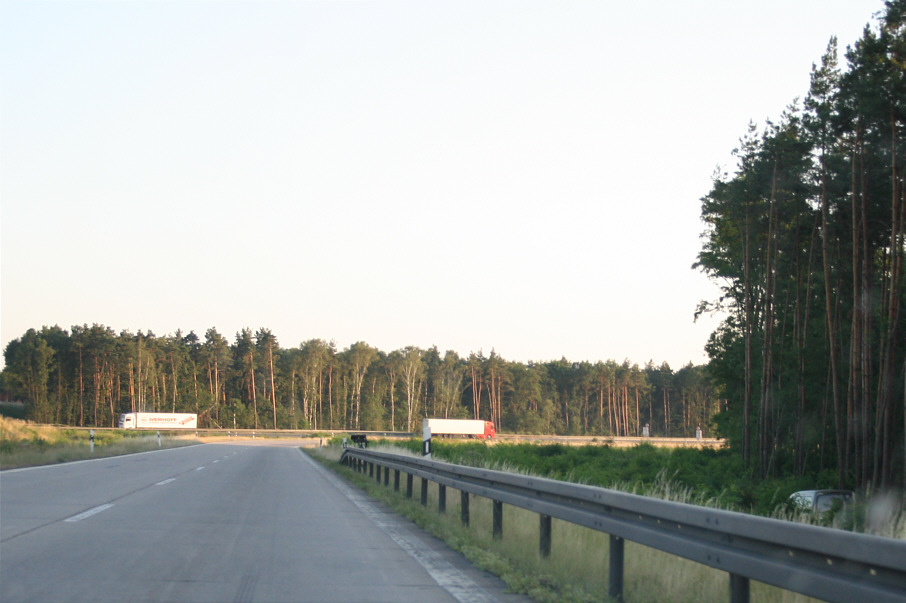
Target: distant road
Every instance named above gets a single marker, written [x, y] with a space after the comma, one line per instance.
[312, 438]
[216, 523]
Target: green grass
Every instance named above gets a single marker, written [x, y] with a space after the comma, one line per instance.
[714, 478]
[25, 444]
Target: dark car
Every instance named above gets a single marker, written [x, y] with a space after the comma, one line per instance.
[821, 501]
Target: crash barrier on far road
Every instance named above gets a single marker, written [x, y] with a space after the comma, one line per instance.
[829, 564]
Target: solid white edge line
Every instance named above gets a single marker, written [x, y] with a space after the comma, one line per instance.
[100, 458]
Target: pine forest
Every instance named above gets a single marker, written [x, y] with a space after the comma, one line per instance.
[90, 375]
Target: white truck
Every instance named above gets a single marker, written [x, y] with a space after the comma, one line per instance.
[460, 427]
[158, 420]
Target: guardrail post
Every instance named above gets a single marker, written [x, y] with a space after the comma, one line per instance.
[370, 469]
[441, 498]
[615, 578]
[739, 589]
[544, 545]
[498, 520]
[396, 480]
[464, 507]
[377, 474]
[424, 497]
[408, 485]
[386, 475]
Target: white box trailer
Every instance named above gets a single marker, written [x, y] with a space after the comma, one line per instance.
[461, 427]
[158, 420]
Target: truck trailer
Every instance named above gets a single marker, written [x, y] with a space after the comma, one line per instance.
[460, 427]
[158, 420]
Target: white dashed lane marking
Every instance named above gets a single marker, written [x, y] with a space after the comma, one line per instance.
[88, 513]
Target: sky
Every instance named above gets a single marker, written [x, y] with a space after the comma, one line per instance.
[517, 176]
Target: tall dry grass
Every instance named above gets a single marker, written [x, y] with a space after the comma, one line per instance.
[18, 431]
[27, 444]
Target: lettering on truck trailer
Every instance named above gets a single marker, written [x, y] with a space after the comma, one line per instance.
[145, 420]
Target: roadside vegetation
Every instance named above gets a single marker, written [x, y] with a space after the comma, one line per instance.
[577, 568]
[704, 477]
[717, 477]
[25, 444]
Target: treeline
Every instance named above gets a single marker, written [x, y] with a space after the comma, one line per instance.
[806, 238]
[91, 375]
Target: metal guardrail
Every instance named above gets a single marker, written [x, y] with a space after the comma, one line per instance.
[833, 565]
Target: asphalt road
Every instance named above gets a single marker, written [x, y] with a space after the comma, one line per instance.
[216, 523]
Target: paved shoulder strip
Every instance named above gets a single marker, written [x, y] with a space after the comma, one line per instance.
[461, 587]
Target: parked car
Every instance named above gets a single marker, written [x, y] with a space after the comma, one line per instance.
[821, 501]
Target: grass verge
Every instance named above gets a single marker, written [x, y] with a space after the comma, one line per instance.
[26, 444]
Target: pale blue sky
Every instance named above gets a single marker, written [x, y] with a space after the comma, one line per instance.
[519, 176]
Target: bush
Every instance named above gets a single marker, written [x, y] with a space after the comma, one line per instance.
[718, 477]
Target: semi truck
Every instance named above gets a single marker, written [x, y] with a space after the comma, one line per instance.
[158, 420]
[460, 427]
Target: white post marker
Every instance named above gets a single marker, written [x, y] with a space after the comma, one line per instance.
[91, 439]
[158, 439]
[426, 439]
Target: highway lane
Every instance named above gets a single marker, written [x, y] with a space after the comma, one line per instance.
[216, 523]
